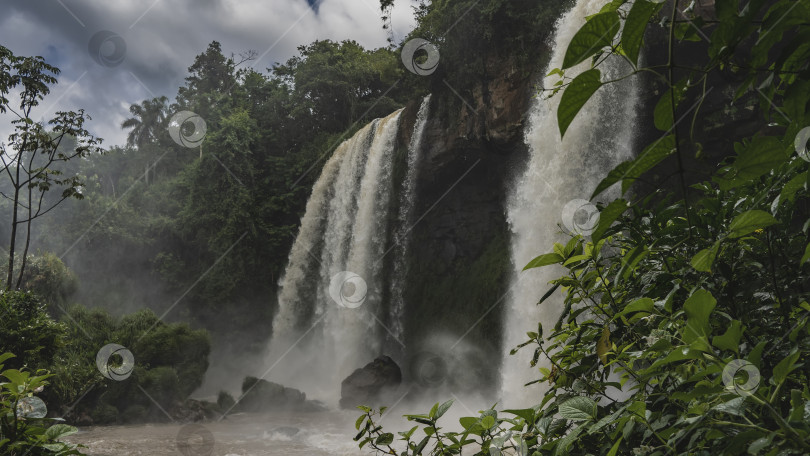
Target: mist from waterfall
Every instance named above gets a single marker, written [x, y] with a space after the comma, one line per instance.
[558, 171]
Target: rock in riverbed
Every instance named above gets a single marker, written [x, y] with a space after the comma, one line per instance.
[371, 383]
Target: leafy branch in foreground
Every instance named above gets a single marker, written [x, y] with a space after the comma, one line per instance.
[23, 428]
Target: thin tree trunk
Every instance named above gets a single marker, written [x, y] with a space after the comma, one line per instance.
[13, 241]
[27, 240]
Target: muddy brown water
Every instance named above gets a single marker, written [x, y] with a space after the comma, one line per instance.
[314, 434]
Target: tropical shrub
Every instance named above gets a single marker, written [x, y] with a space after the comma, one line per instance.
[170, 359]
[23, 428]
[27, 329]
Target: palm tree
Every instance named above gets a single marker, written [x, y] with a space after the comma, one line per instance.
[148, 119]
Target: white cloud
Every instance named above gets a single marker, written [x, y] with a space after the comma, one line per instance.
[162, 41]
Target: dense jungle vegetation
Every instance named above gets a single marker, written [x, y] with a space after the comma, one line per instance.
[670, 290]
[685, 328]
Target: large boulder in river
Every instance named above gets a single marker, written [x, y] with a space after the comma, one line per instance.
[371, 383]
[259, 395]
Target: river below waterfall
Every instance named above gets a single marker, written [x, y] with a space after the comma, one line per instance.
[323, 433]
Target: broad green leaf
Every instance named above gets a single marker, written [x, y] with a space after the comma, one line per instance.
[760, 444]
[698, 308]
[576, 259]
[806, 255]
[526, 414]
[578, 92]
[750, 221]
[638, 408]
[627, 172]
[467, 421]
[385, 439]
[360, 421]
[6, 356]
[443, 408]
[631, 261]
[422, 445]
[613, 5]
[755, 356]
[784, 368]
[635, 25]
[544, 260]
[794, 185]
[60, 430]
[615, 447]
[407, 435]
[797, 406]
[487, 422]
[735, 406]
[579, 408]
[607, 216]
[760, 156]
[663, 114]
[566, 441]
[704, 259]
[730, 340]
[639, 305]
[16, 377]
[597, 33]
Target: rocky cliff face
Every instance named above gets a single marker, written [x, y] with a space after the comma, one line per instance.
[459, 256]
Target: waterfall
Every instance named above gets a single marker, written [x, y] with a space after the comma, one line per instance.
[329, 300]
[558, 171]
[406, 203]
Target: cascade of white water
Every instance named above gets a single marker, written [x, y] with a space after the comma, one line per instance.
[355, 333]
[318, 336]
[406, 203]
[558, 171]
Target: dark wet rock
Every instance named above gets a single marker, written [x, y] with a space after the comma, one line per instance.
[314, 406]
[259, 395]
[371, 383]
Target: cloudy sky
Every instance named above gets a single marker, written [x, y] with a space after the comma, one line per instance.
[162, 37]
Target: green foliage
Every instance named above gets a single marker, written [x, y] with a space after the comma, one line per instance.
[171, 359]
[170, 363]
[686, 318]
[23, 431]
[26, 328]
[50, 279]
